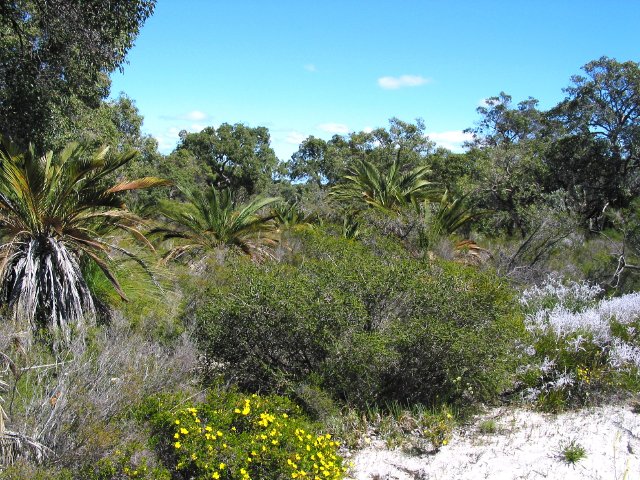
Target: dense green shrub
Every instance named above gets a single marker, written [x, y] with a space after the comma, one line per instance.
[364, 326]
[235, 436]
[131, 461]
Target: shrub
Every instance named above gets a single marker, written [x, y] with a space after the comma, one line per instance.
[457, 342]
[367, 327]
[22, 469]
[131, 461]
[416, 428]
[236, 436]
[579, 346]
[80, 408]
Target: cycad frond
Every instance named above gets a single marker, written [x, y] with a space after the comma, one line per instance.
[211, 219]
[54, 210]
[451, 215]
[388, 191]
[290, 216]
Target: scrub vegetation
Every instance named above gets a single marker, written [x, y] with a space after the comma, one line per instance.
[221, 313]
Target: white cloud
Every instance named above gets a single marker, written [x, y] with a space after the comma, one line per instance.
[195, 115]
[367, 129]
[295, 138]
[310, 67]
[451, 140]
[339, 128]
[393, 83]
[196, 127]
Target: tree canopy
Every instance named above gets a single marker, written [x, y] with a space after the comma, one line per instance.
[55, 58]
[238, 156]
[324, 162]
[598, 157]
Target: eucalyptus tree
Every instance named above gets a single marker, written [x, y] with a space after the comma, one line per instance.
[55, 61]
[326, 162]
[238, 156]
[597, 160]
[509, 171]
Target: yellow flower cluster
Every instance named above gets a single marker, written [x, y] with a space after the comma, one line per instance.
[138, 472]
[437, 428]
[583, 374]
[246, 409]
[253, 439]
[320, 462]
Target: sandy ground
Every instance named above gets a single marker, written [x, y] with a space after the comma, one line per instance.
[526, 445]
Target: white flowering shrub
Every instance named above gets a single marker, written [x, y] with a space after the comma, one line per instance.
[579, 345]
[573, 296]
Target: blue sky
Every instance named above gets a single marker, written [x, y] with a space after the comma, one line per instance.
[303, 67]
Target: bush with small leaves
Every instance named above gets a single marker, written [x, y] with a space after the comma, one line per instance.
[233, 436]
[365, 324]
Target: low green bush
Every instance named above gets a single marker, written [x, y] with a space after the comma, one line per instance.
[131, 461]
[234, 436]
[458, 342]
[22, 470]
[364, 326]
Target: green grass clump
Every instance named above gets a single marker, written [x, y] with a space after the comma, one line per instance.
[573, 452]
[488, 427]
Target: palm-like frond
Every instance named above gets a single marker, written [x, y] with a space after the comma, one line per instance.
[289, 216]
[387, 191]
[54, 211]
[470, 253]
[211, 219]
[350, 227]
[452, 215]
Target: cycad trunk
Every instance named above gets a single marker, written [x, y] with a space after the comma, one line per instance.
[44, 285]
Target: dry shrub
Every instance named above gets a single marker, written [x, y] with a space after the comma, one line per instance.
[78, 404]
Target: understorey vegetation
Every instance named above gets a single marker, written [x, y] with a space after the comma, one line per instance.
[219, 313]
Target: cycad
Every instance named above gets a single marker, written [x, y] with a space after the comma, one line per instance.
[452, 214]
[445, 218]
[289, 216]
[388, 190]
[211, 219]
[55, 211]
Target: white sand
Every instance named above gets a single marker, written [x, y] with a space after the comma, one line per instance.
[526, 445]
